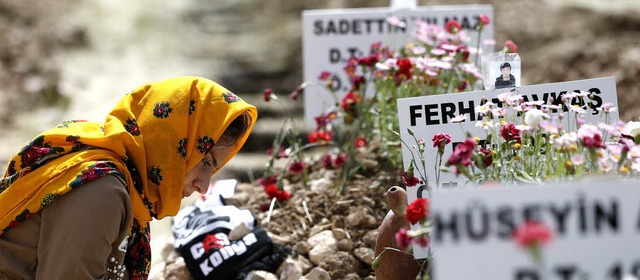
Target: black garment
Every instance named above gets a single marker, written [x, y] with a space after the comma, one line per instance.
[501, 83]
[201, 236]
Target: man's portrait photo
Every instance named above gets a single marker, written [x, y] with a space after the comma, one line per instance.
[501, 70]
[506, 79]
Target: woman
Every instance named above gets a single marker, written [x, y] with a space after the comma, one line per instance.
[77, 201]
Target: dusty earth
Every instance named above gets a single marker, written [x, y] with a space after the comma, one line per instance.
[351, 218]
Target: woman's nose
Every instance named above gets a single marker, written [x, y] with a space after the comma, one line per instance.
[202, 186]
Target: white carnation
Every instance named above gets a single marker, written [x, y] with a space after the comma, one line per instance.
[533, 117]
[632, 129]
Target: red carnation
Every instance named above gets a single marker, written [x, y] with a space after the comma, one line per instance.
[296, 167]
[271, 190]
[267, 94]
[417, 210]
[283, 196]
[462, 153]
[484, 20]
[453, 26]
[509, 132]
[440, 140]
[404, 68]
[409, 180]
[462, 86]
[357, 81]
[360, 142]
[593, 141]
[326, 161]
[340, 160]
[313, 137]
[532, 233]
[369, 60]
[510, 47]
[349, 101]
[266, 181]
[487, 158]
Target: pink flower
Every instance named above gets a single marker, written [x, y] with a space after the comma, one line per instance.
[323, 120]
[484, 20]
[409, 180]
[453, 26]
[326, 160]
[340, 160]
[296, 167]
[324, 76]
[403, 239]
[464, 53]
[294, 94]
[270, 180]
[462, 153]
[590, 136]
[594, 141]
[267, 94]
[370, 60]
[282, 152]
[350, 68]
[395, 21]
[375, 47]
[462, 86]
[510, 47]
[532, 233]
[417, 210]
[422, 240]
[440, 140]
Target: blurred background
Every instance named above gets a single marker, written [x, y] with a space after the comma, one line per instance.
[68, 59]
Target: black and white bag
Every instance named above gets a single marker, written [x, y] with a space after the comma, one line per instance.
[202, 237]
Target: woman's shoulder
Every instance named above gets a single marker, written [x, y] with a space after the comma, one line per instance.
[114, 181]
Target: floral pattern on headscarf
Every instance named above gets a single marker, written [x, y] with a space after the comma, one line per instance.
[150, 138]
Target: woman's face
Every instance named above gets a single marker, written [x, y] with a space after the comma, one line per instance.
[197, 178]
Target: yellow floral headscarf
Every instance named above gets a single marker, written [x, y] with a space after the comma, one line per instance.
[151, 138]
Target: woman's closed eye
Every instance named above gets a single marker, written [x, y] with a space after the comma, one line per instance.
[208, 162]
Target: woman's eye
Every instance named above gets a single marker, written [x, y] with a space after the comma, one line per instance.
[206, 162]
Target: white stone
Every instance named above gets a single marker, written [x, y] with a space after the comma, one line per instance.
[323, 237]
[290, 270]
[322, 251]
[318, 274]
[260, 275]
[366, 255]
